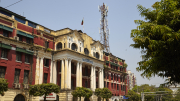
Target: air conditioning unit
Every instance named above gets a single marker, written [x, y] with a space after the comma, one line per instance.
[16, 38]
[26, 86]
[17, 85]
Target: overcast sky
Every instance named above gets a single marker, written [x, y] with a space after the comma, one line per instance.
[59, 14]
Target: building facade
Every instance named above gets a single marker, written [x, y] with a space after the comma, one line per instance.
[34, 54]
[115, 76]
[131, 80]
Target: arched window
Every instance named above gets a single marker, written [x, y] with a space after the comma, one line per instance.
[59, 46]
[74, 47]
[86, 51]
[97, 55]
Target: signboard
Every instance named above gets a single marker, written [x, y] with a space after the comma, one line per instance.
[51, 96]
[87, 60]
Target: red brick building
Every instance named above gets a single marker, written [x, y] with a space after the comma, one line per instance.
[115, 76]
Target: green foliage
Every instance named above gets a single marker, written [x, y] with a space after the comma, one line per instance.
[105, 93]
[125, 65]
[3, 86]
[43, 89]
[82, 92]
[48, 49]
[158, 38]
[132, 96]
[98, 91]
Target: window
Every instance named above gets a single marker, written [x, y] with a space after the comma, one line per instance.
[74, 47]
[59, 46]
[86, 71]
[46, 44]
[86, 84]
[64, 45]
[69, 45]
[72, 83]
[31, 24]
[97, 55]
[46, 62]
[4, 53]
[28, 40]
[5, 33]
[26, 76]
[96, 84]
[86, 51]
[27, 58]
[111, 85]
[104, 84]
[2, 72]
[107, 84]
[80, 49]
[121, 87]
[45, 77]
[96, 73]
[20, 37]
[108, 76]
[16, 75]
[18, 56]
[111, 76]
[72, 69]
[20, 20]
[117, 86]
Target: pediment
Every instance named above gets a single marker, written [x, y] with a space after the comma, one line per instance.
[97, 44]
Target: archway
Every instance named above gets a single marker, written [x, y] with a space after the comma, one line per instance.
[74, 47]
[19, 97]
[59, 46]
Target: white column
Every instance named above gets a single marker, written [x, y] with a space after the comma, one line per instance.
[77, 75]
[62, 74]
[66, 73]
[41, 71]
[51, 72]
[37, 71]
[80, 74]
[55, 72]
[69, 74]
[102, 78]
[92, 77]
[99, 78]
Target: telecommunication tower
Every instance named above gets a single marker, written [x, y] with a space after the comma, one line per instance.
[104, 30]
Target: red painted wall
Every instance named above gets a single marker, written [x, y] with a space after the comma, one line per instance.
[11, 64]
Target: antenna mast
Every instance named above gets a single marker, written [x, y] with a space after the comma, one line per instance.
[104, 30]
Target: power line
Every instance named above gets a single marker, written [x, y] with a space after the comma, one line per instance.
[13, 4]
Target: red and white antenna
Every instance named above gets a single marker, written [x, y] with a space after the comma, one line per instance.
[104, 30]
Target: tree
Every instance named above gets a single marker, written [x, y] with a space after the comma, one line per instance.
[79, 92]
[132, 96]
[158, 38]
[168, 95]
[105, 93]
[3, 86]
[43, 89]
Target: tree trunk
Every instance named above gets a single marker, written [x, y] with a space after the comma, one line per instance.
[80, 98]
[44, 97]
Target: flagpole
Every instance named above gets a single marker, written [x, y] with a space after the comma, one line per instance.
[83, 24]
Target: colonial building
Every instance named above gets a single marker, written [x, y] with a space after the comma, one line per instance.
[115, 76]
[34, 54]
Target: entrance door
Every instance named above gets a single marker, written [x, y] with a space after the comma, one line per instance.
[19, 97]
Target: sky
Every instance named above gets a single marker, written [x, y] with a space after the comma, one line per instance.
[59, 14]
